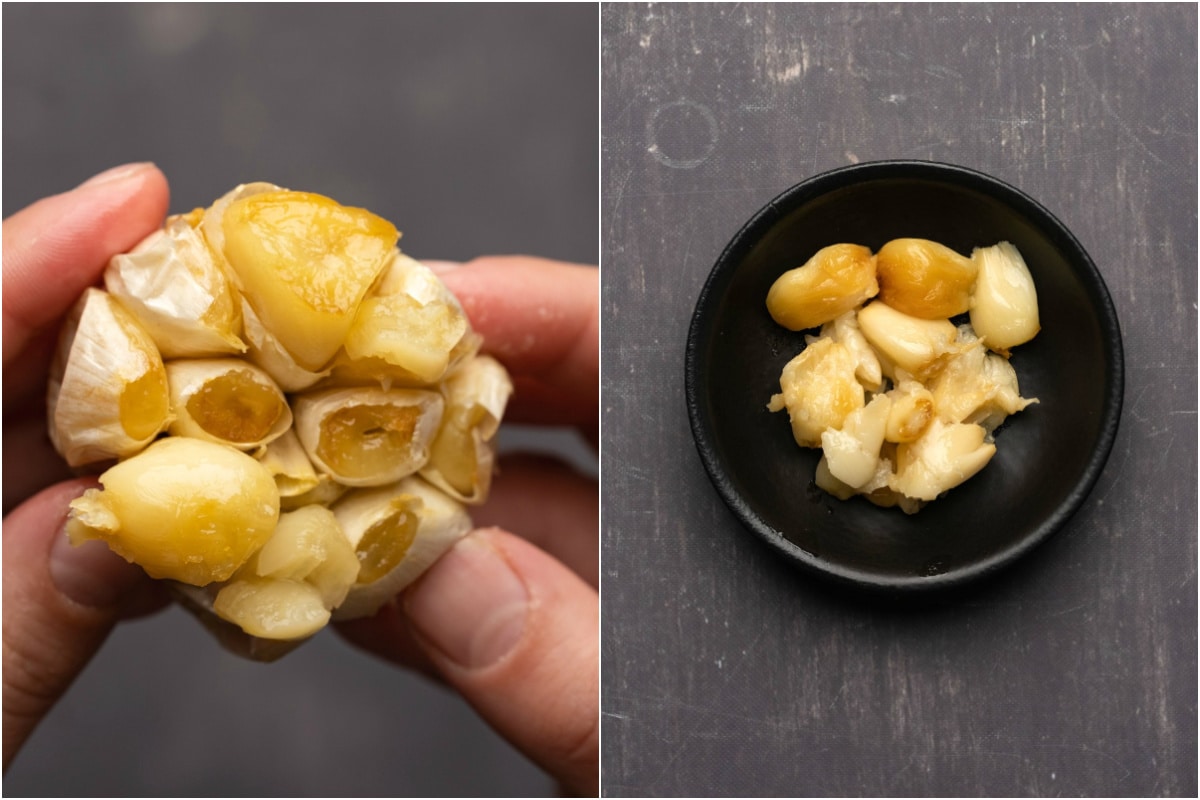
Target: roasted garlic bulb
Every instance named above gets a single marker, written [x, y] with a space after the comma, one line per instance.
[903, 402]
[297, 412]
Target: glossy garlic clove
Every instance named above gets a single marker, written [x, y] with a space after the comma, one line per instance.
[918, 347]
[837, 279]
[924, 279]
[183, 509]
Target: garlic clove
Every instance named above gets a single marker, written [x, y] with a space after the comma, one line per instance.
[924, 279]
[944, 456]
[852, 453]
[272, 608]
[905, 343]
[271, 356]
[308, 545]
[410, 320]
[175, 288]
[184, 509]
[304, 263]
[835, 280]
[462, 454]
[228, 401]
[1004, 308]
[845, 329]
[366, 436]
[398, 531]
[287, 461]
[819, 390]
[107, 393]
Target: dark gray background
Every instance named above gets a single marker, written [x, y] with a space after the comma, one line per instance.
[724, 670]
[475, 130]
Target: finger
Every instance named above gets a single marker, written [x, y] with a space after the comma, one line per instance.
[59, 604]
[30, 461]
[541, 319]
[516, 633]
[57, 247]
[547, 503]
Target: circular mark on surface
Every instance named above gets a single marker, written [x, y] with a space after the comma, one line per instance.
[682, 134]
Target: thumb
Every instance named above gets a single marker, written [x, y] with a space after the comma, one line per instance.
[60, 602]
[516, 633]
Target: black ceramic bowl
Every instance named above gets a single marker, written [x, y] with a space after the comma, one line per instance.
[1048, 456]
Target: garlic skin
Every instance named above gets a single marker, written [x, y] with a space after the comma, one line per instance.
[228, 401]
[1004, 308]
[462, 454]
[365, 436]
[183, 509]
[431, 522]
[107, 396]
[286, 460]
[175, 288]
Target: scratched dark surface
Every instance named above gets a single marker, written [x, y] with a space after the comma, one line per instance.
[476, 131]
[725, 671]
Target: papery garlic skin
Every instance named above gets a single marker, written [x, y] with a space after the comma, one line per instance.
[175, 288]
[365, 436]
[228, 401]
[1004, 307]
[286, 460]
[107, 394]
[462, 455]
[430, 521]
[183, 509]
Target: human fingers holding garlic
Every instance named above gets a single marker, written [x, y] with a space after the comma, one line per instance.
[60, 602]
[223, 416]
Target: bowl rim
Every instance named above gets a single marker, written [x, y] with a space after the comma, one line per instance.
[700, 336]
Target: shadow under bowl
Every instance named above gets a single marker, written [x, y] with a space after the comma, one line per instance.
[1048, 456]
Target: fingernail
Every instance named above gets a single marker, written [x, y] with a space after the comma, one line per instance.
[91, 574]
[440, 267]
[117, 173]
[470, 605]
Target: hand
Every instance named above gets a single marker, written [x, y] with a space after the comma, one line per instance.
[60, 602]
[513, 623]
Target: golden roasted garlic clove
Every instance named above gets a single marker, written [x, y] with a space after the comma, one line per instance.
[837, 279]
[410, 320]
[304, 263]
[184, 509]
[460, 461]
[924, 279]
[911, 411]
[852, 453]
[228, 401]
[108, 394]
[944, 456]
[1004, 307]
[179, 293]
[366, 436]
[905, 343]
[398, 531]
[819, 390]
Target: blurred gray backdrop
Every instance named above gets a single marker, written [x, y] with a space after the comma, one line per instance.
[474, 129]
